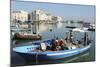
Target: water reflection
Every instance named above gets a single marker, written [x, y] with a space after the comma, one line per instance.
[59, 25]
[41, 27]
[51, 30]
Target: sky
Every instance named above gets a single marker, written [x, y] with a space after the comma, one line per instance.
[66, 11]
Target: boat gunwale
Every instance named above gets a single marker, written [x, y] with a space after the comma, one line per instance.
[52, 52]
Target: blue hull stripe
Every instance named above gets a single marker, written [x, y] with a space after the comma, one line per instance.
[47, 55]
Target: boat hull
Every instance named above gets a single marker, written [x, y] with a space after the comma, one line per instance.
[27, 37]
[71, 27]
[91, 29]
[53, 55]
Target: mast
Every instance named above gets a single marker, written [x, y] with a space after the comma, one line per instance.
[85, 39]
[71, 35]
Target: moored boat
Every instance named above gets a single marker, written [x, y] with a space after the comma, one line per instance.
[42, 50]
[31, 52]
[71, 27]
[91, 29]
[27, 36]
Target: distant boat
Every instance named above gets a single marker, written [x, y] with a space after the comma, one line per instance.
[27, 36]
[71, 27]
[33, 52]
[91, 29]
[83, 29]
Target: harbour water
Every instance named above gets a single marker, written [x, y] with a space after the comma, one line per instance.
[58, 30]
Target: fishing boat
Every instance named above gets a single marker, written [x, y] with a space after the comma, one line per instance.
[27, 36]
[41, 50]
[71, 27]
[91, 29]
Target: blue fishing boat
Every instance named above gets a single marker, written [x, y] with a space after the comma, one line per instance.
[41, 50]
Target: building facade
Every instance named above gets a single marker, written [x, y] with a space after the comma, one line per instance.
[24, 21]
[39, 15]
[56, 19]
[19, 16]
